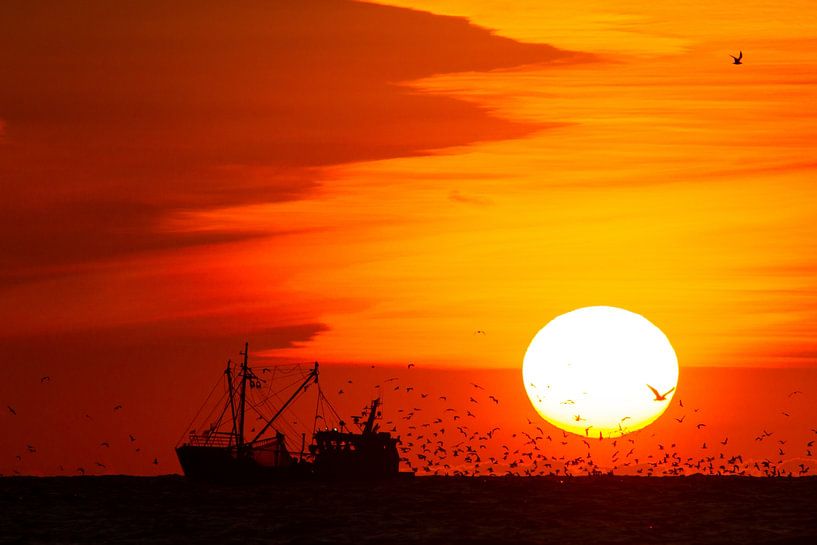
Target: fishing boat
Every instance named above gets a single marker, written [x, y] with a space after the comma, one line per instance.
[247, 433]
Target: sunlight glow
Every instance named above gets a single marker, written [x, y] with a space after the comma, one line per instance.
[589, 372]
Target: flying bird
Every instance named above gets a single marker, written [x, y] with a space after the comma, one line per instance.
[118, 408]
[45, 380]
[738, 59]
[11, 410]
[659, 396]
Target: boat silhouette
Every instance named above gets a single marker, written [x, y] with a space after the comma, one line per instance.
[225, 452]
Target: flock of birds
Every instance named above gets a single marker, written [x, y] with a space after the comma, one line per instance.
[29, 450]
[463, 439]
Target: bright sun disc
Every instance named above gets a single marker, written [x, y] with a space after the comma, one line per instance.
[591, 371]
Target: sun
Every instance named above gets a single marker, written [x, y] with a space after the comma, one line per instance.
[600, 371]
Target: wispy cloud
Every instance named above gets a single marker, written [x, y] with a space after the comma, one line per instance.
[122, 117]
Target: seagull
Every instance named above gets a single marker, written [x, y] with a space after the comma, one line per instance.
[118, 408]
[45, 380]
[410, 365]
[11, 410]
[660, 396]
[738, 59]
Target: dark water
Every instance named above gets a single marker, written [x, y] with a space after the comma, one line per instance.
[421, 510]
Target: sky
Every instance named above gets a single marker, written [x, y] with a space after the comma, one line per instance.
[364, 184]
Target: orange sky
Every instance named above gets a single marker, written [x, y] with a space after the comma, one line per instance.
[354, 183]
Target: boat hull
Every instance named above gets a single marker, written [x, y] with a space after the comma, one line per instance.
[224, 464]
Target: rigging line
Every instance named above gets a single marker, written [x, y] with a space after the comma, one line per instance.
[283, 388]
[332, 408]
[193, 420]
[276, 394]
[271, 409]
[214, 407]
[217, 424]
[287, 426]
[269, 384]
[317, 408]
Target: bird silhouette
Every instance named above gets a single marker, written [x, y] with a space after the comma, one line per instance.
[659, 396]
[12, 410]
[45, 380]
[738, 59]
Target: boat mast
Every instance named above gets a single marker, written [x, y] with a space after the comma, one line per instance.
[243, 400]
[311, 377]
[229, 373]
